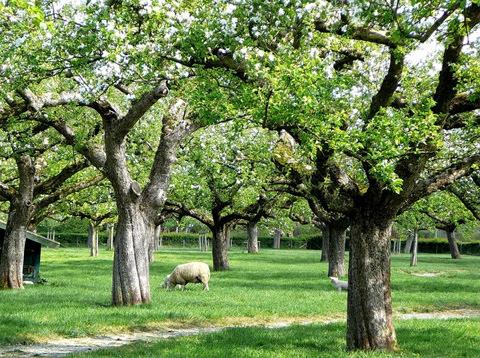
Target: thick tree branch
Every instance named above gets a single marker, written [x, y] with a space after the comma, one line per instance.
[66, 191]
[356, 33]
[446, 88]
[139, 108]
[444, 178]
[182, 210]
[53, 183]
[389, 84]
[474, 209]
[177, 124]
[95, 154]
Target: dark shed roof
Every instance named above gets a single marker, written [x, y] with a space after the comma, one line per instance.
[35, 237]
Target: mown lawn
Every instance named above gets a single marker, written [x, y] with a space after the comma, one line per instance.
[272, 285]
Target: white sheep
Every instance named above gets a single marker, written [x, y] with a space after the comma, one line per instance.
[194, 272]
[339, 285]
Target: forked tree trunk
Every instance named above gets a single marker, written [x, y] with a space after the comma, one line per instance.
[220, 248]
[325, 241]
[413, 256]
[369, 311]
[452, 242]
[131, 284]
[252, 232]
[336, 251]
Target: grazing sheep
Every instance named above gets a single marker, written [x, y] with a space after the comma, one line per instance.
[339, 285]
[195, 272]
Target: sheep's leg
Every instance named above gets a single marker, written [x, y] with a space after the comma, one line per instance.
[205, 286]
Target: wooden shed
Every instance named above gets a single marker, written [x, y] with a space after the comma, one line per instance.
[33, 249]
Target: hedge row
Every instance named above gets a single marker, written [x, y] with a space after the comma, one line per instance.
[311, 242]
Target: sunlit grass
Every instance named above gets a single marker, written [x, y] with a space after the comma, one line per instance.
[272, 285]
[419, 338]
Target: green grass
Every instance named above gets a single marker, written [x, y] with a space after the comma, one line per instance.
[419, 338]
[272, 285]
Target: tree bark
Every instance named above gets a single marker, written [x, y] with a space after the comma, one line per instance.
[93, 235]
[131, 283]
[151, 245]
[220, 248]
[20, 212]
[336, 253]
[408, 244]
[369, 311]
[110, 237]
[90, 236]
[452, 242]
[11, 265]
[277, 236]
[413, 257]
[252, 231]
[157, 241]
[325, 241]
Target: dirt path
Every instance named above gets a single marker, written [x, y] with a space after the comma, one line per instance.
[62, 347]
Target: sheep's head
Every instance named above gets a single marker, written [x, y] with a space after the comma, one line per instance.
[333, 279]
[166, 283]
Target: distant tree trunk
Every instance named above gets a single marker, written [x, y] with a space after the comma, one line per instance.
[296, 230]
[369, 312]
[252, 231]
[220, 235]
[90, 236]
[336, 252]
[111, 228]
[276, 238]
[93, 237]
[413, 257]
[158, 237]
[408, 244]
[325, 241]
[20, 212]
[151, 248]
[452, 242]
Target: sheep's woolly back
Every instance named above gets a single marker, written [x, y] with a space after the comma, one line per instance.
[190, 272]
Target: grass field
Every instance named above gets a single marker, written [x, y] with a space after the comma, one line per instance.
[273, 285]
[419, 338]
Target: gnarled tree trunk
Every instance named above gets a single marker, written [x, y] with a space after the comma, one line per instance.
[452, 242]
[369, 312]
[131, 283]
[220, 247]
[252, 232]
[11, 261]
[336, 250]
[19, 215]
